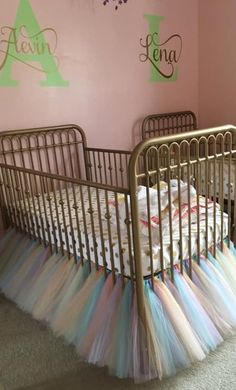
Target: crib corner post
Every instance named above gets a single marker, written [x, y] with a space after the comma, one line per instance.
[136, 236]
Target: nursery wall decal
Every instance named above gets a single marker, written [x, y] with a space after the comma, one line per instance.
[163, 54]
[26, 42]
[115, 3]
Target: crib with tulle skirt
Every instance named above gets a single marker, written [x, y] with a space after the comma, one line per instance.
[124, 254]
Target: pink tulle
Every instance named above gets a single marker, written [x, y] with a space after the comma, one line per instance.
[223, 327]
[98, 317]
[181, 324]
[66, 322]
[48, 299]
[100, 348]
[213, 293]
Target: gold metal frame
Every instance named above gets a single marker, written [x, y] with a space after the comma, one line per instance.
[40, 165]
[168, 123]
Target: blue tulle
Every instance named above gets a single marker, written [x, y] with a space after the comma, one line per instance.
[208, 335]
[11, 251]
[173, 355]
[100, 349]
[120, 355]
[228, 265]
[224, 292]
[72, 331]
[38, 284]
[233, 250]
[215, 263]
[40, 255]
[74, 287]
[87, 312]
[20, 256]
[225, 263]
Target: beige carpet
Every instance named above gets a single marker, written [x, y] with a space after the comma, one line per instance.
[32, 358]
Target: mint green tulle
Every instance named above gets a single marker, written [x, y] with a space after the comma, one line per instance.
[172, 354]
[119, 364]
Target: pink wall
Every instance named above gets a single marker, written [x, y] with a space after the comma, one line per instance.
[217, 62]
[99, 49]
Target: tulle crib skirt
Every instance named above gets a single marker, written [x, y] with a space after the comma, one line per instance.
[186, 318]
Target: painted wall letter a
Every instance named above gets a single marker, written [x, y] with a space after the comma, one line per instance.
[25, 42]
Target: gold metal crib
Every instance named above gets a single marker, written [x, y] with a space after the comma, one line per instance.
[85, 202]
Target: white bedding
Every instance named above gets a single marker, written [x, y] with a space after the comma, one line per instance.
[35, 212]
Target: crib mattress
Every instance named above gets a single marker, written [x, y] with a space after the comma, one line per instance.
[55, 223]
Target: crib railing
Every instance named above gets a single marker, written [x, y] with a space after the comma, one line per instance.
[56, 149]
[108, 166]
[204, 176]
[73, 216]
[62, 150]
[159, 125]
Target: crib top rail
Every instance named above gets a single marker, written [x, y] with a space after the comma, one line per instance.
[62, 178]
[168, 123]
[189, 137]
[54, 149]
[45, 129]
[63, 150]
[30, 139]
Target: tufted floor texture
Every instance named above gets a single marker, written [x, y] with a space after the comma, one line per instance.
[31, 357]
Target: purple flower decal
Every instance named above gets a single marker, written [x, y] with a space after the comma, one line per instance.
[115, 3]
